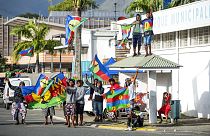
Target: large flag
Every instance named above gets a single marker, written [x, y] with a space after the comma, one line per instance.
[71, 24]
[99, 70]
[126, 31]
[47, 92]
[27, 52]
[117, 99]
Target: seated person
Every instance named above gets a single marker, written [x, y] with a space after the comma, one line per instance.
[135, 119]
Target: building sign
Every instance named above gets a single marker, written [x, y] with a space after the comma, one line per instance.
[193, 15]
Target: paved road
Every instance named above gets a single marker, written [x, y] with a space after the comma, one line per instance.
[35, 127]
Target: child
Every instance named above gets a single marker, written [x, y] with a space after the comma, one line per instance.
[148, 32]
[80, 102]
[70, 102]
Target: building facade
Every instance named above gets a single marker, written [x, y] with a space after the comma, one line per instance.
[182, 35]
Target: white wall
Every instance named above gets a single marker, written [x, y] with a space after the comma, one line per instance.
[163, 84]
[194, 78]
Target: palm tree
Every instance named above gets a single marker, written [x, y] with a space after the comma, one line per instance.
[35, 35]
[144, 5]
[77, 6]
[175, 3]
[51, 50]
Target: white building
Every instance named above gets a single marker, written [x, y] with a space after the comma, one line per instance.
[182, 35]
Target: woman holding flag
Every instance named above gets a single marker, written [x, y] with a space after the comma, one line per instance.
[114, 86]
[98, 99]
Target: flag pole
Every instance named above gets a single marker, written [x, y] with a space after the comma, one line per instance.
[29, 64]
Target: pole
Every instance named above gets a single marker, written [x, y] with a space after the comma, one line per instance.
[52, 61]
[60, 56]
[29, 64]
[115, 11]
[78, 53]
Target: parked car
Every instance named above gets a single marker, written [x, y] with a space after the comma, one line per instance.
[2, 84]
[8, 93]
[88, 104]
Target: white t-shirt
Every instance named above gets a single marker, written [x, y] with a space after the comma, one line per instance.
[131, 91]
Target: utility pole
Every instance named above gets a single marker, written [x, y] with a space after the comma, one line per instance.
[115, 11]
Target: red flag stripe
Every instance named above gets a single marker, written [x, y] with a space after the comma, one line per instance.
[123, 97]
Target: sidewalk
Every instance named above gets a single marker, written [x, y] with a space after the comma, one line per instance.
[184, 124]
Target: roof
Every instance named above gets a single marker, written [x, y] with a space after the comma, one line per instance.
[21, 21]
[149, 62]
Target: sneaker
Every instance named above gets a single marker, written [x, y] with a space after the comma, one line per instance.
[139, 53]
[134, 54]
[129, 129]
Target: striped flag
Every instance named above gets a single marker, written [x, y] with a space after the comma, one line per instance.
[99, 70]
[117, 99]
[27, 52]
[126, 31]
[71, 24]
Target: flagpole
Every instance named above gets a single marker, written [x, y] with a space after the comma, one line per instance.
[29, 64]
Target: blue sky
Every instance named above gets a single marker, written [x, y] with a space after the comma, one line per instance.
[13, 8]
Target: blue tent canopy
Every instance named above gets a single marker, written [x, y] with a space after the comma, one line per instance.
[115, 72]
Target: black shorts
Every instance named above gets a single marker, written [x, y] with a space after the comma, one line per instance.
[79, 108]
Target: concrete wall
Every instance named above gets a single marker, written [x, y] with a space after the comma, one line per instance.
[164, 83]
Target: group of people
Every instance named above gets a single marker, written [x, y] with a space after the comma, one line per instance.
[143, 28]
[74, 103]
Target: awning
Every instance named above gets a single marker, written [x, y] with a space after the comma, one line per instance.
[142, 62]
[18, 21]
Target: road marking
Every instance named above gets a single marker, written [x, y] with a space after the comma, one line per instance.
[120, 127]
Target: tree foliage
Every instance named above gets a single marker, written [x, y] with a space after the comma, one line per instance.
[35, 34]
[29, 15]
[69, 5]
[154, 5]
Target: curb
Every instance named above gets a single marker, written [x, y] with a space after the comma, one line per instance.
[124, 127]
[113, 126]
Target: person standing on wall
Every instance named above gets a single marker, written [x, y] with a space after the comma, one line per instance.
[137, 35]
[148, 32]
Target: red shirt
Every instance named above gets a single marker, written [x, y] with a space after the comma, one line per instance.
[115, 86]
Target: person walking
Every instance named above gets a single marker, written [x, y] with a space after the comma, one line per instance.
[18, 106]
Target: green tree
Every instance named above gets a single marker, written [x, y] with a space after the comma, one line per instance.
[29, 15]
[77, 6]
[175, 3]
[51, 50]
[144, 5]
[69, 5]
[35, 34]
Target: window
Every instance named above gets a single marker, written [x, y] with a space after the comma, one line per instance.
[156, 42]
[183, 38]
[194, 36]
[169, 40]
[199, 36]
